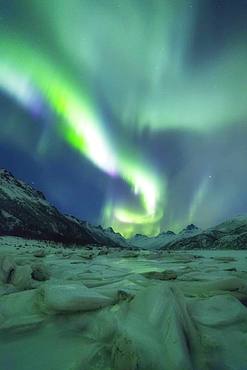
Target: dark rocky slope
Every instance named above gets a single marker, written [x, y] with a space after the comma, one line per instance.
[25, 212]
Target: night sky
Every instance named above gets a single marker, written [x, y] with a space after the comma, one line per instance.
[127, 113]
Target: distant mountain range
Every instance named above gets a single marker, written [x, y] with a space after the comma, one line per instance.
[25, 212]
[231, 234]
[163, 238]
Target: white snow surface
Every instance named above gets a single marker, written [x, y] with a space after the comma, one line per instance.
[77, 308]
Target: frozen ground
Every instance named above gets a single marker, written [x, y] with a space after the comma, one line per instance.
[78, 309]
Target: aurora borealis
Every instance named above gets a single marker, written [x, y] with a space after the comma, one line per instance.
[133, 111]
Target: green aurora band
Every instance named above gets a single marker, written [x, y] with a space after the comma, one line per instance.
[27, 76]
[137, 53]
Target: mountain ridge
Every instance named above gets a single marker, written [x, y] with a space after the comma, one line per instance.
[230, 234]
[25, 212]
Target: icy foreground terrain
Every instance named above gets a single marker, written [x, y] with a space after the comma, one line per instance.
[115, 309]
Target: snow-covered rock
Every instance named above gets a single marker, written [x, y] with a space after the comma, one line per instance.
[22, 277]
[40, 272]
[7, 267]
[25, 212]
[190, 230]
[39, 253]
[62, 298]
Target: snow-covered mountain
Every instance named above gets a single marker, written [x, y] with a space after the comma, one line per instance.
[25, 212]
[190, 230]
[163, 238]
[231, 234]
[156, 242]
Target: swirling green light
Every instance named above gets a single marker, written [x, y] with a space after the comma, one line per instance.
[28, 75]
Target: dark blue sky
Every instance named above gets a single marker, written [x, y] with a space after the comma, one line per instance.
[170, 88]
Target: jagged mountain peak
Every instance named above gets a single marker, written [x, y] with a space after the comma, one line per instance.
[24, 211]
[16, 188]
[191, 228]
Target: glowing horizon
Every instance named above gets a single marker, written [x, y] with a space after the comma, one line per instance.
[39, 82]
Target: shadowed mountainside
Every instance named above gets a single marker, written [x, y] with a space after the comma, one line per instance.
[25, 212]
